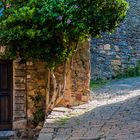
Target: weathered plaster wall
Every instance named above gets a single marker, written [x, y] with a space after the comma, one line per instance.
[113, 53]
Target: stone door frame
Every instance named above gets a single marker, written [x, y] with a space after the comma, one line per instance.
[19, 96]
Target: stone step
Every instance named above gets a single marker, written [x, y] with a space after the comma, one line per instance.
[6, 134]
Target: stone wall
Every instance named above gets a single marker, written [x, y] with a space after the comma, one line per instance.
[78, 77]
[19, 93]
[35, 73]
[19, 96]
[30, 77]
[113, 53]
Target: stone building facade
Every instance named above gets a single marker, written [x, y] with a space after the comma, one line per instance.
[113, 53]
[27, 78]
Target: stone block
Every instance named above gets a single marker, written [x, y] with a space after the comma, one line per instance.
[19, 73]
[116, 68]
[18, 66]
[20, 107]
[118, 57]
[111, 53]
[20, 124]
[20, 86]
[4, 135]
[117, 48]
[19, 80]
[28, 76]
[101, 47]
[107, 47]
[116, 62]
[19, 114]
[20, 99]
[20, 93]
[29, 63]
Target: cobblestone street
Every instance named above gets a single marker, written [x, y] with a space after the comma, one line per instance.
[112, 114]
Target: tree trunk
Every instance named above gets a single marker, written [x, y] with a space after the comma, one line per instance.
[47, 90]
[57, 90]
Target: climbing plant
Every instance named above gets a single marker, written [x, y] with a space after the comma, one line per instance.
[38, 113]
[49, 30]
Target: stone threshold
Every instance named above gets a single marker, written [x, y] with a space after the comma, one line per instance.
[6, 134]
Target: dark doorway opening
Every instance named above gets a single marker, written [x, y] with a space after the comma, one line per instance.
[6, 98]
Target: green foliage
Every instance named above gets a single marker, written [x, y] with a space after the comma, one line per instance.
[38, 114]
[94, 84]
[129, 72]
[50, 29]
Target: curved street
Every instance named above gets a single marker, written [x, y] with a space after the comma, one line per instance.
[112, 114]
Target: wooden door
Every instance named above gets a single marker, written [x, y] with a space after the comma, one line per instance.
[6, 95]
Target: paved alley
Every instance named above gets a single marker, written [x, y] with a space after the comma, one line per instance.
[112, 114]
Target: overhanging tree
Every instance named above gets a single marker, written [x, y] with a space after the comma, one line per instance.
[49, 30]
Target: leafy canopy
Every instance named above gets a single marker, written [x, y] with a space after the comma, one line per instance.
[50, 29]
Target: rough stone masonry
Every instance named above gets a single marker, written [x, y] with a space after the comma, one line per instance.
[28, 78]
[113, 53]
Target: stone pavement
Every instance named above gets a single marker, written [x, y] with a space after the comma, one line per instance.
[113, 114]
[6, 134]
